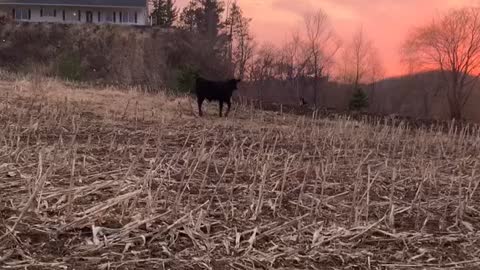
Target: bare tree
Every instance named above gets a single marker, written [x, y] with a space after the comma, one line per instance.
[452, 45]
[376, 73]
[377, 69]
[288, 59]
[263, 67]
[286, 65]
[321, 45]
[293, 60]
[243, 54]
[360, 61]
[241, 42]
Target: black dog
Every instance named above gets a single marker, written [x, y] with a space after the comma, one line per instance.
[303, 102]
[220, 91]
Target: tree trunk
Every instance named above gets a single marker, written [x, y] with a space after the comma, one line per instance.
[315, 82]
[230, 49]
[456, 111]
[454, 104]
[426, 104]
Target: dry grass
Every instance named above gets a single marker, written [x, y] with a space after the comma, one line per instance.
[108, 179]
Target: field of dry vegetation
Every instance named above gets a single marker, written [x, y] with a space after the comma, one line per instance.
[111, 179]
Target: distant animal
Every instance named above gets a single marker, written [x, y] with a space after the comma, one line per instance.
[303, 102]
[220, 91]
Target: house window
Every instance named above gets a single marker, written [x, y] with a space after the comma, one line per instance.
[48, 12]
[22, 14]
[71, 15]
[128, 17]
[110, 16]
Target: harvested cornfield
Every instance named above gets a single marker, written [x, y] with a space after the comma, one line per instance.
[110, 179]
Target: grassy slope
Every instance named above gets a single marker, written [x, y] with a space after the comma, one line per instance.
[94, 177]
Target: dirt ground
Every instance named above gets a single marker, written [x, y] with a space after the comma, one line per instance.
[112, 179]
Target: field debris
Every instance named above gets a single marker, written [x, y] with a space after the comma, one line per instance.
[84, 188]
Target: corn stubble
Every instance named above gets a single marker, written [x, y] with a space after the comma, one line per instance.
[88, 183]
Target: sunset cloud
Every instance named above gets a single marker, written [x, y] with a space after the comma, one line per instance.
[298, 7]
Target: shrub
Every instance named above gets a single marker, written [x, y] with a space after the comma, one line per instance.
[5, 19]
[359, 100]
[186, 79]
[108, 54]
[70, 67]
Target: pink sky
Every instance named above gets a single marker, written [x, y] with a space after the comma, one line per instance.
[386, 22]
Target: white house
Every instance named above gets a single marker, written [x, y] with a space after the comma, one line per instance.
[126, 12]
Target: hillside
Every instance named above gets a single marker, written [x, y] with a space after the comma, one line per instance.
[416, 96]
[153, 58]
[419, 95]
[119, 179]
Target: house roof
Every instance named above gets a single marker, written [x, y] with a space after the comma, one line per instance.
[78, 3]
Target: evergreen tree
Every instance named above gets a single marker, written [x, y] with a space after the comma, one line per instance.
[164, 12]
[190, 16]
[203, 16]
[359, 100]
[171, 12]
[211, 23]
[186, 78]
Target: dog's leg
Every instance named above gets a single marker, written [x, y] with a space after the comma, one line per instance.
[229, 104]
[200, 102]
[221, 107]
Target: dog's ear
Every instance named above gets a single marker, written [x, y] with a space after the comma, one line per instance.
[235, 81]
